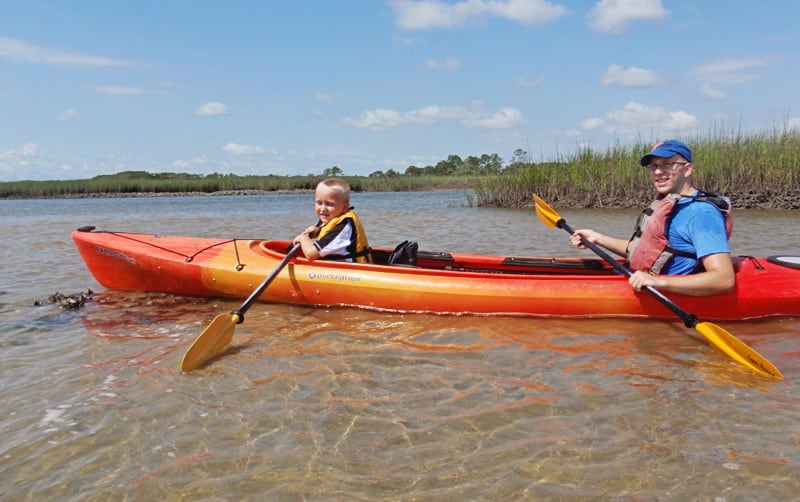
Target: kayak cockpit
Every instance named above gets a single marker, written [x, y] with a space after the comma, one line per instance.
[462, 262]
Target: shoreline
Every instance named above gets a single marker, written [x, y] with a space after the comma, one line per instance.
[133, 195]
[220, 193]
[789, 201]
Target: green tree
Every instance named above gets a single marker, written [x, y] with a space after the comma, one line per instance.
[449, 166]
[471, 165]
[518, 161]
[520, 156]
[332, 171]
[490, 164]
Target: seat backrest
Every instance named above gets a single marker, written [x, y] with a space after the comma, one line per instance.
[404, 253]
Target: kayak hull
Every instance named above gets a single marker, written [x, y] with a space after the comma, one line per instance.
[440, 283]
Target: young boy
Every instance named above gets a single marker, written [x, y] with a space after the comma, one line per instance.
[340, 235]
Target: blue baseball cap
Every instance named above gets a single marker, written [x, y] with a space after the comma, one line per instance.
[667, 149]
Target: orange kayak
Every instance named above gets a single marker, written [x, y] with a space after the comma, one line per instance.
[445, 283]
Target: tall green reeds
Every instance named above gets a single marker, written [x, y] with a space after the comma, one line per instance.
[143, 183]
[588, 179]
[755, 171]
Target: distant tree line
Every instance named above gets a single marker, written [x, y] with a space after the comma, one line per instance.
[454, 165]
[454, 172]
[755, 171]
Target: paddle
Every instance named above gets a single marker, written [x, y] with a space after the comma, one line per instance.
[219, 333]
[717, 336]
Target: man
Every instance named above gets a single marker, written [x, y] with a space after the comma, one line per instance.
[681, 240]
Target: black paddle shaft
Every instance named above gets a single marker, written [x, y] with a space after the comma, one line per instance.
[690, 320]
[260, 289]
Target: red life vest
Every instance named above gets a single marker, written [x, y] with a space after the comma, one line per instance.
[649, 247]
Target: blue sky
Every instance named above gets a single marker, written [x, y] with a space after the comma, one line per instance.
[291, 87]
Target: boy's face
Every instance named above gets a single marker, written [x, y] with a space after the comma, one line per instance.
[329, 203]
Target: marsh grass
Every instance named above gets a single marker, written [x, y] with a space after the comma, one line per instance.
[140, 183]
[755, 171]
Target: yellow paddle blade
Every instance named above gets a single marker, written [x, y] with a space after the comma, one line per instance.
[737, 350]
[547, 214]
[211, 341]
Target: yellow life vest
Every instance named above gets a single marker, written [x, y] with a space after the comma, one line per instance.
[358, 249]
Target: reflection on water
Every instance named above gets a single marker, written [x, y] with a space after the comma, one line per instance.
[347, 404]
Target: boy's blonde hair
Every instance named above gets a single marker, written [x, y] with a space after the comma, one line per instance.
[338, 184]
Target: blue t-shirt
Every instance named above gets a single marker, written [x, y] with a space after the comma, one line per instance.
[698, 228]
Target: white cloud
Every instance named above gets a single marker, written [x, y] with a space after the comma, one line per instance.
[472, 116]
[632, 77]
[714, 76]
[593, 123]
[530, 82]
[212, 109]
[637, 116]
[68, 114]
[506, 118]
[236, 149]
[636, 113]
[431, 114]
[117, 90]
[729, 71]
[613, 16]
[793, 124]
[17, 50]
[447, 64]
[407, 40]
[727, 65]
[431, 14]
[323, 98]
[680, 120]
[380, 118]
[29, 149]
[710, 92]
[193, 163]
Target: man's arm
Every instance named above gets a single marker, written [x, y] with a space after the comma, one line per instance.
[613, 244]
[718, 278]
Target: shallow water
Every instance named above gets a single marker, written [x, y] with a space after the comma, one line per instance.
[348, 404]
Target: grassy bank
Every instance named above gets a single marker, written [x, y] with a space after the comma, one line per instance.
[142, 183]
[759, 171]
[755, 171]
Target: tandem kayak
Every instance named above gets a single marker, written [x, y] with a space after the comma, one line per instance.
[439, 282]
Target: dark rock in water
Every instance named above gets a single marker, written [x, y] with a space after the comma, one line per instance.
[68, 302]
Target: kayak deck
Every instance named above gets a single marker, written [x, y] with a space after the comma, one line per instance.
[439, 282]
